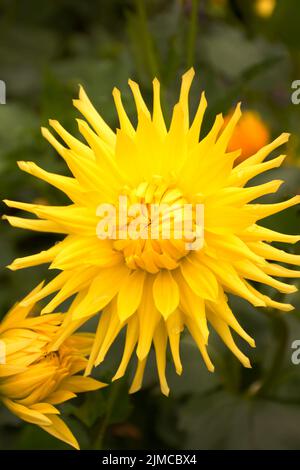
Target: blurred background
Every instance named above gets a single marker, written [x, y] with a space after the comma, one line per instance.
[246, 50]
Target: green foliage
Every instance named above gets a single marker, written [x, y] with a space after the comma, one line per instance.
[45, 52]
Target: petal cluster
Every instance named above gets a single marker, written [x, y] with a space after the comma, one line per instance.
[156, 289]
[33, 379]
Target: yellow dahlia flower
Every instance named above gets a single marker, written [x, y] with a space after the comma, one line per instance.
[154, 288]
[32, 378]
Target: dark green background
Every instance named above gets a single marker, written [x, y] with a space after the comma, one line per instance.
[46, 49]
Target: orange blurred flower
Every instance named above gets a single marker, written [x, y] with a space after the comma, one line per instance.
[251, 133]
[265, 8]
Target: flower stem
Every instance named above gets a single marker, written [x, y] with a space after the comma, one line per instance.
[100, 436]
[280, 334]
[192, 34]
[147, 40]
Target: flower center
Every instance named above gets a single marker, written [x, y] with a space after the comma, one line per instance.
[156, 226]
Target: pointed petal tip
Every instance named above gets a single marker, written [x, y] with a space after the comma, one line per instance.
[165, 391]
[23, 165]
[46, 310]
[24, 303]
[134, 389]
[44, 131]
[81, 91]
[117, 376]
[132, 83]
[285, 136]
[116, 92]
[141, 354]
[189, 73]
[75, 444]
[11, 267]
[288, 308]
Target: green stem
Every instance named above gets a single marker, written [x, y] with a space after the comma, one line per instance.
[147, 39]
[192, 34]
[100, 436]
[280, 334]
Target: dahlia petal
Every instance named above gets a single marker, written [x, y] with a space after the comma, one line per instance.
[158, 118]
[125, 123]
[148, 319]
[138, 377]
[112, 332]
[270, 302]
[223, 140]
[66, 184]
[258, 233]
[224, 332]
[45, 408]
[85, 106]
[200, 279]
[102, 327]
[166, 293]
[174, 327]
[228, 276]
[53, 141]
[222, 309]
[60, 430]
[48, 289]
[241, 196]
[248, 270]
[193, 306]
[276, 270]
[103, 288]
[103, 155]
[74, 144]
[239, 177]
[176, 148]
[262, 153]
[130, 294]
[160, 344]
[25, 413]
[34, 260]
[32, 224]
[130, 342]
[139, 101]
[194, 131]
[75, 282]
[272, 253]
[77, 384]
[128, 159]
[91, 177]
[260, 211]
[60, 396]
[187, 79]
[75, 252]
[199, 340]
